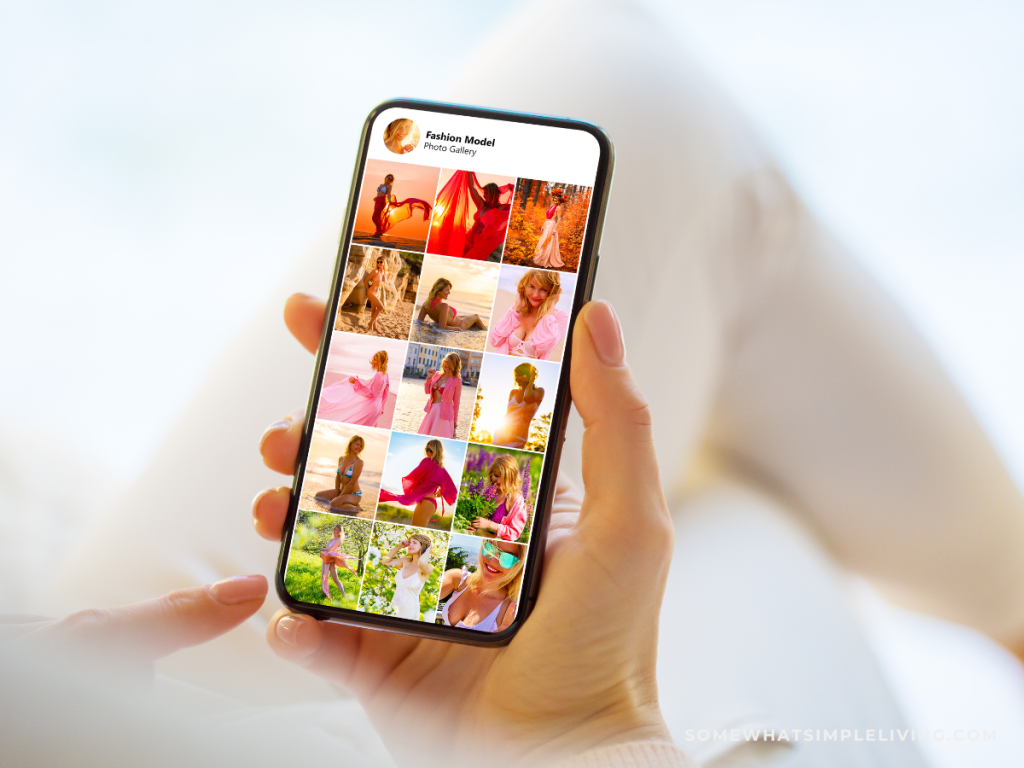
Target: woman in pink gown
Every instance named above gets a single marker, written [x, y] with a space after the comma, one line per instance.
[533, 325]
[508, 519]
[444, 390]
[332, 556]
[388, 211]
[353, 402]
[523, 402]
[548, 252]
[425, 485]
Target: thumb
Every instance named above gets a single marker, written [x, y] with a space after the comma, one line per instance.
[623, 495]
[146, 631]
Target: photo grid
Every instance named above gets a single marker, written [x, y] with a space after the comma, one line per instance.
[438, 395]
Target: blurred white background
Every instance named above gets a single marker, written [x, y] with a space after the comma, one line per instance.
[163, 164]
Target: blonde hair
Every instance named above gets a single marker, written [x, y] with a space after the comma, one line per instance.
[438, 449]
[439, 285]
[549, 281]
[507, 470]
[456, 363]
[525, 369]
[380, 361]
[348, 449]
[512, 581]
[397, 127]
[424, 540]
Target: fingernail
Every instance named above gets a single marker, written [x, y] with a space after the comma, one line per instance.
[238, 589]
[606, 333]
[288, 630]
[259, 498]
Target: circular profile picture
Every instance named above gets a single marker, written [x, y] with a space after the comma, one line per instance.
[402, 136]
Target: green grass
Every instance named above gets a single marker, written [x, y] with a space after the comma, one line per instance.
[303, 582]
[390, 513]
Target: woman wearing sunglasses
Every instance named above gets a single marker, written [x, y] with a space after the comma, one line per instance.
[486, 600]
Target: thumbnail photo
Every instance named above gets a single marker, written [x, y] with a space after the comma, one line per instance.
[421, 481]
[531, 313]
[546, 225]
[361, 380]
[481, 584]
[498, 493]
[453, 306]
[471, 215]
[379, 292]
[395, 204]
[344, 468]
[403, 571]
[402, 136]
[515, 403]
[326, 560]
[438, 391]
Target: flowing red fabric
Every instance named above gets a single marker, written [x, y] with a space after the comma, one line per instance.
[423, 482]
[385, 217]
[453, 216]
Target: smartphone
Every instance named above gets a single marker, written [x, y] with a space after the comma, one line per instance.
[424, 479]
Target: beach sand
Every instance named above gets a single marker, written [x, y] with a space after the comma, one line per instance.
[390, 241]
[329, 442]
[393, 324]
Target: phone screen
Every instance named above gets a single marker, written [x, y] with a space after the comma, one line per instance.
[439, 401]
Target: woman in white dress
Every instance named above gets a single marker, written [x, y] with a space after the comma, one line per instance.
[411, 572]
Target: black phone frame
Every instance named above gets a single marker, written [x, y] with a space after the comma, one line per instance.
[585, 274]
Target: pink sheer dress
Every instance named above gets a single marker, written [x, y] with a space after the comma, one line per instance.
[355, 402]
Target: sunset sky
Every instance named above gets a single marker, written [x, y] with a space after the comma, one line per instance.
[417, 181]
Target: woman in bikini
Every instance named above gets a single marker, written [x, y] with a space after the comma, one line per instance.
[486, 600]
[411, 572]
[444, 391]
[346, 496]
[388, 211]
[533, 325]
[373, 282]
[510, 512]
[427, 483]
[437, 309]
[548, 252]
[332, 557]
[523, 402]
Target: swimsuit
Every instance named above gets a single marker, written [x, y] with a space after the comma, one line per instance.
[433, 303]
[348, 475]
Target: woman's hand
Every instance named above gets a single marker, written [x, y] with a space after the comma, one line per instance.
[581, 671]
[127, 640]
[482, 523]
